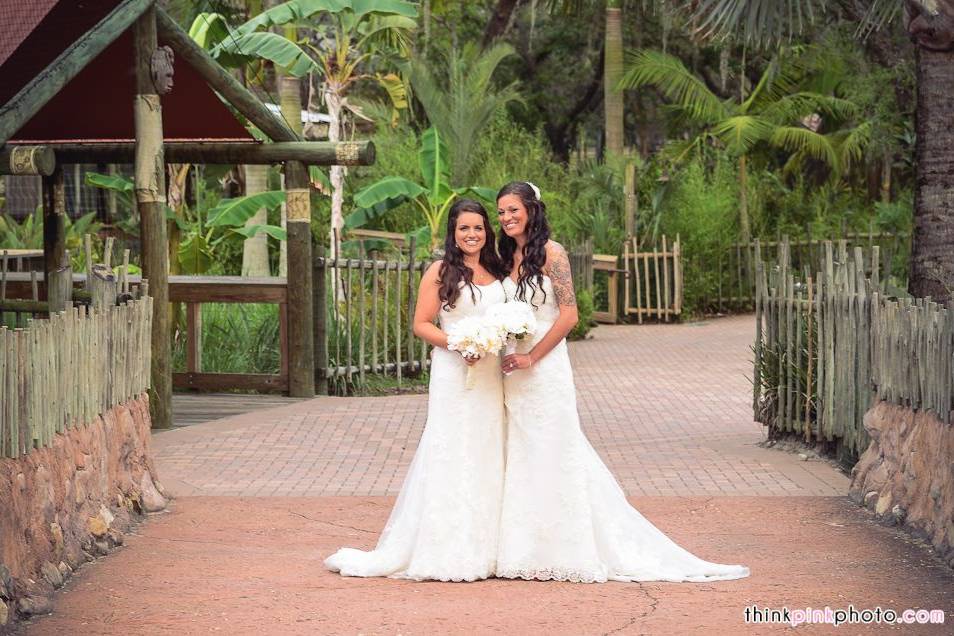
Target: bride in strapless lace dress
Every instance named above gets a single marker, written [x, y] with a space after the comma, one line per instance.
[564, 515]
[444, 525]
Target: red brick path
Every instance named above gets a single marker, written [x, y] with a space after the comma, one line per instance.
[668, 407]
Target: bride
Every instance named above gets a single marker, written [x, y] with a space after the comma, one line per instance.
[564, 515]
[445, 522]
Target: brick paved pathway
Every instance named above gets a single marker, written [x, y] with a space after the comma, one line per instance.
[263, 498]
[668, 407]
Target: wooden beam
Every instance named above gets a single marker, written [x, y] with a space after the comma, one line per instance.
[222, 81]
[41, 89]
[150, 189]
[301, 344]
[28, 160]
[54, 222]
[312, 153]
[261, 382]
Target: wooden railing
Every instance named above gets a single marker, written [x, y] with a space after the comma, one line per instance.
[827, 342]
[653, 286]
[194, 291]
[66, 370]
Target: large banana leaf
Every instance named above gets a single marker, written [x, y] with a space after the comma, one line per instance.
[273, 231]
[381, 197]
[487, 194]
[208, 30]
[235, 212]
[270, 46]
[119, 184]
[195, 255]
[434, 166]
[297, 11]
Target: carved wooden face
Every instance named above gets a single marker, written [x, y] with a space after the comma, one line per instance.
[161, 66]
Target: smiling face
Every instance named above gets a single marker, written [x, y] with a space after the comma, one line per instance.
[512, 214]
[470, 234]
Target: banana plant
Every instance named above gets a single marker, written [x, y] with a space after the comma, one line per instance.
[201, 232]
[433, 196]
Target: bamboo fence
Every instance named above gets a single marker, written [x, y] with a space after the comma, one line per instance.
[829, 342]
[736, 277]
[64, 371]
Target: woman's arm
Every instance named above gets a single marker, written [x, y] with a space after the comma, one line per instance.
[558, 269]
[428, 306]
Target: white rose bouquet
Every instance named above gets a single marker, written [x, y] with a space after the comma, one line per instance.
[474, 337]
[514, 320]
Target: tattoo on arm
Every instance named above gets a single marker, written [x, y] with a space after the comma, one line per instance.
[559, 267]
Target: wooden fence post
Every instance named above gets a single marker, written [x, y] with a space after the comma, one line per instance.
[150, 197]
[320, 320]
[54, 222]
[301, 347]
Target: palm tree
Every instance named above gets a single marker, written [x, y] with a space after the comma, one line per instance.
[930, 23]
[772, 114]
[612, 67]
[612, 73]
[462, 104]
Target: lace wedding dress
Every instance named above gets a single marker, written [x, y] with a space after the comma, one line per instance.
[564, 515]
[444, 524]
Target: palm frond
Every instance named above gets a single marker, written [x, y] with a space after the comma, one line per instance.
[797, 139]
[741, 132]
[851, 144]
[677, 83]
[759, 22]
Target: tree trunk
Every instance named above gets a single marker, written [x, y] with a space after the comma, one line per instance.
[932, 248]
[255, 249]
[336, 174]
[499, 20]
[745, 227]
[932, 245]
[612, 72]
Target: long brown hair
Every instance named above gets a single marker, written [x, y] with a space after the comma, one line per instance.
[453, 270]
[535, 249]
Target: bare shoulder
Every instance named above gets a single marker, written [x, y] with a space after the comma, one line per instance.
[433, 271]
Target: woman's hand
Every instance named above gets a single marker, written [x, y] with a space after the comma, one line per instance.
[516, 361]
[470, 360]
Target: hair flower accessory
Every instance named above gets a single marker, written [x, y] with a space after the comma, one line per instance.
[536, 190]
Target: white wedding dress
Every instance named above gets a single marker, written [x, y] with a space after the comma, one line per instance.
[564, 515]
[445, 522]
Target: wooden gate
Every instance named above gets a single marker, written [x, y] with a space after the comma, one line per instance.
[653, 285]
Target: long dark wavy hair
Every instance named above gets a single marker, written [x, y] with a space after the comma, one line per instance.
[453, 270]
[534, 251]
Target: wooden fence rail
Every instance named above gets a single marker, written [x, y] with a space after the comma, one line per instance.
[828, 342]
[57, 373]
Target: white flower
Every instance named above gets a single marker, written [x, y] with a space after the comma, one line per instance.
[513, 319]
[474, 337]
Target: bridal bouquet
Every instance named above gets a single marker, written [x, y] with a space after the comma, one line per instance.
[514, 320]
[474, 337]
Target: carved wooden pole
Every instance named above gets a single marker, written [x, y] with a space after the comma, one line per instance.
[54, 222]
[150, 197]
[301, 347]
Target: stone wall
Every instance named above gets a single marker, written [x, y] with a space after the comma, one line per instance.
[906, 476]
[70, 503]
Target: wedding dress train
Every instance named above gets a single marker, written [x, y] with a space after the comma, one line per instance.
[564, 515]
[445, 522]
